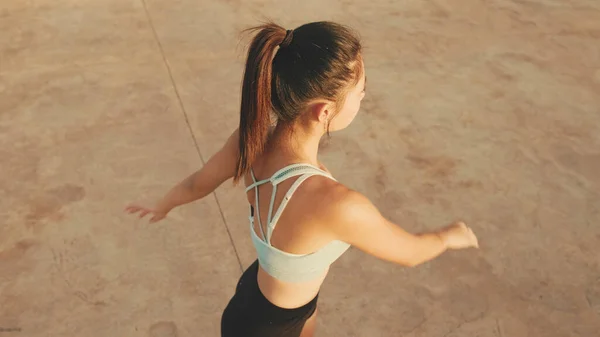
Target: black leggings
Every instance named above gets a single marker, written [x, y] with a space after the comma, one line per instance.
[250, 314]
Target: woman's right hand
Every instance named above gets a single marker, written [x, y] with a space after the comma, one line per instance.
[156, 213]
[458, 236]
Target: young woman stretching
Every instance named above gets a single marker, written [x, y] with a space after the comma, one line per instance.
[298, 86]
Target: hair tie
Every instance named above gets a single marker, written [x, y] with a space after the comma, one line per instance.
[289, 35]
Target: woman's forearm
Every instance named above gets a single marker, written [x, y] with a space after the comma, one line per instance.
[431, 246]
[188, 190]
[218, 169]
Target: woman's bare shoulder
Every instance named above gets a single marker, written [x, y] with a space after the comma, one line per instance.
[331, 198]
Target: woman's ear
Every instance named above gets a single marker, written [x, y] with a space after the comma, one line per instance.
[322, 111]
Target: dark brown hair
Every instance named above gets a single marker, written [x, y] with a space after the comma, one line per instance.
[287, 69]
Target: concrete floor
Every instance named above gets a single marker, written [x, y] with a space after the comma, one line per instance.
[487, 111]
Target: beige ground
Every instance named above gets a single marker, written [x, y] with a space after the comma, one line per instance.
[483, 110]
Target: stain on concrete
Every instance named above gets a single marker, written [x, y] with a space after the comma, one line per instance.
[50, 204]
[17, 251]
[469, 184]
[434, 166]
[163, 329]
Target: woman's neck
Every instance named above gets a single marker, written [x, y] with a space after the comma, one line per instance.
[293, 143]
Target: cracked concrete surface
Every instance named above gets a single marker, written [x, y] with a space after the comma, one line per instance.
[487, 111]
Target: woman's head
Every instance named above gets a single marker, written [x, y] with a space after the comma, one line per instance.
[312, 75]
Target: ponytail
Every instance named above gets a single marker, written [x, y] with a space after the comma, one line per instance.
[256, 96]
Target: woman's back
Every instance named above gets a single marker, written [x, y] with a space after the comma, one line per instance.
[299, 233]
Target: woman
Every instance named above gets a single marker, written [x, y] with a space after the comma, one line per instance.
[311, 80]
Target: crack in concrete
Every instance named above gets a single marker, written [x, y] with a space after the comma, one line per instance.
[498, 330]
[187, 121]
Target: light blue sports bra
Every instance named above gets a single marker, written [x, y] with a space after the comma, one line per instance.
[277, 263]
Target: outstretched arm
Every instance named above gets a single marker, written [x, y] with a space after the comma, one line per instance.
[218, 169]
[358, 222]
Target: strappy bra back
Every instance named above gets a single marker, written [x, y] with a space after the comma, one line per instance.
[277, 263]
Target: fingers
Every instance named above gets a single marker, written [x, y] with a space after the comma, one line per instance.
[132, 209]
[469, 233]
[144, 212]
[473, 238]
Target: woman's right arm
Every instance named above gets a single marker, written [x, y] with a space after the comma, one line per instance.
[218, 169]
[359, 223]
